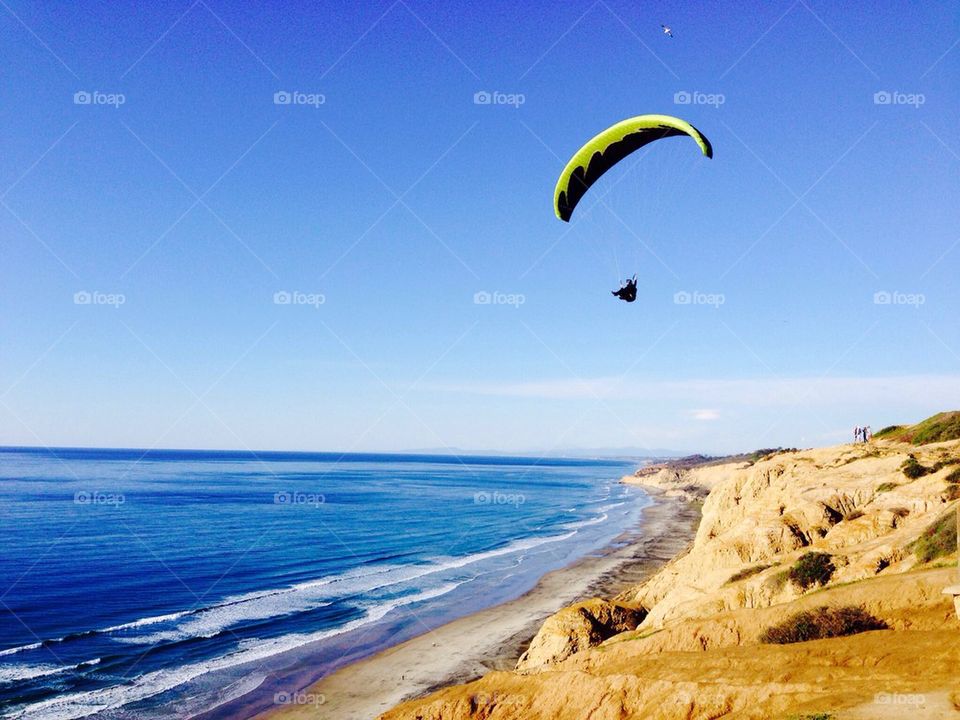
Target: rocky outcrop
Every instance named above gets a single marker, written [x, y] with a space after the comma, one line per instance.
[575, 628]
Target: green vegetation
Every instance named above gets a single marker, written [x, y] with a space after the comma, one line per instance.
[626, 637]
[813, 568]
[912, 468]
[890, 431]
[747, 572]
[937, 540]
[938, 428]
[886, 487]
[822, 622]
[765, 454]
[776, 581]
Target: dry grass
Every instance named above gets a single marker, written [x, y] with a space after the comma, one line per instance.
[822, 622]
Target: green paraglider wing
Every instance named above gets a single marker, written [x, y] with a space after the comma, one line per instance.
[610, 147]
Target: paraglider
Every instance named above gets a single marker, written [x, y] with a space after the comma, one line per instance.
[611, 146]
[667, 31]
[603, 152]
[627, 293]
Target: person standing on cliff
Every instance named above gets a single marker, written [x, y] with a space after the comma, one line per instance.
[856, 434]
[867, 434]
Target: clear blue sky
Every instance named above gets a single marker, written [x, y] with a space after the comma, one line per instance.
[398, 198]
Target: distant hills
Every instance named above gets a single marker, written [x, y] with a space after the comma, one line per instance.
[579, 453]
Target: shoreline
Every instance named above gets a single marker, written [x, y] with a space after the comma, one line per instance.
[494, 638]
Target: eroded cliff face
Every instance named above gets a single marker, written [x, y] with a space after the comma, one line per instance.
[575, 628]
[852, 502]
[694, 650]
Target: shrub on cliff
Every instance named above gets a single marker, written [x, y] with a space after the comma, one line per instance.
[822, 622]
[913, 469]
[813, 568]
[889, 431]
[748, 572]
[954, 476]
[937, 540]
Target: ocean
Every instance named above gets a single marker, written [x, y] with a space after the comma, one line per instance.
[164, 584]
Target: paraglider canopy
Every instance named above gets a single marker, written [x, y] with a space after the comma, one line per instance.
[610, 147]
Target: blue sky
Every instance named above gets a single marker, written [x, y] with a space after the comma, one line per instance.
[182, 199]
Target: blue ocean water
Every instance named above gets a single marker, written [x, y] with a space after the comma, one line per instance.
[163, 583]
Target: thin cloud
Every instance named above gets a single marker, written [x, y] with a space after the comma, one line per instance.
[705, 414]
[940, 390]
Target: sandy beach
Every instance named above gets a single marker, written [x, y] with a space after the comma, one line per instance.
[494, 638]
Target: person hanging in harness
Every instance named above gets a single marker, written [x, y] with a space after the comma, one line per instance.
[627, 293]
